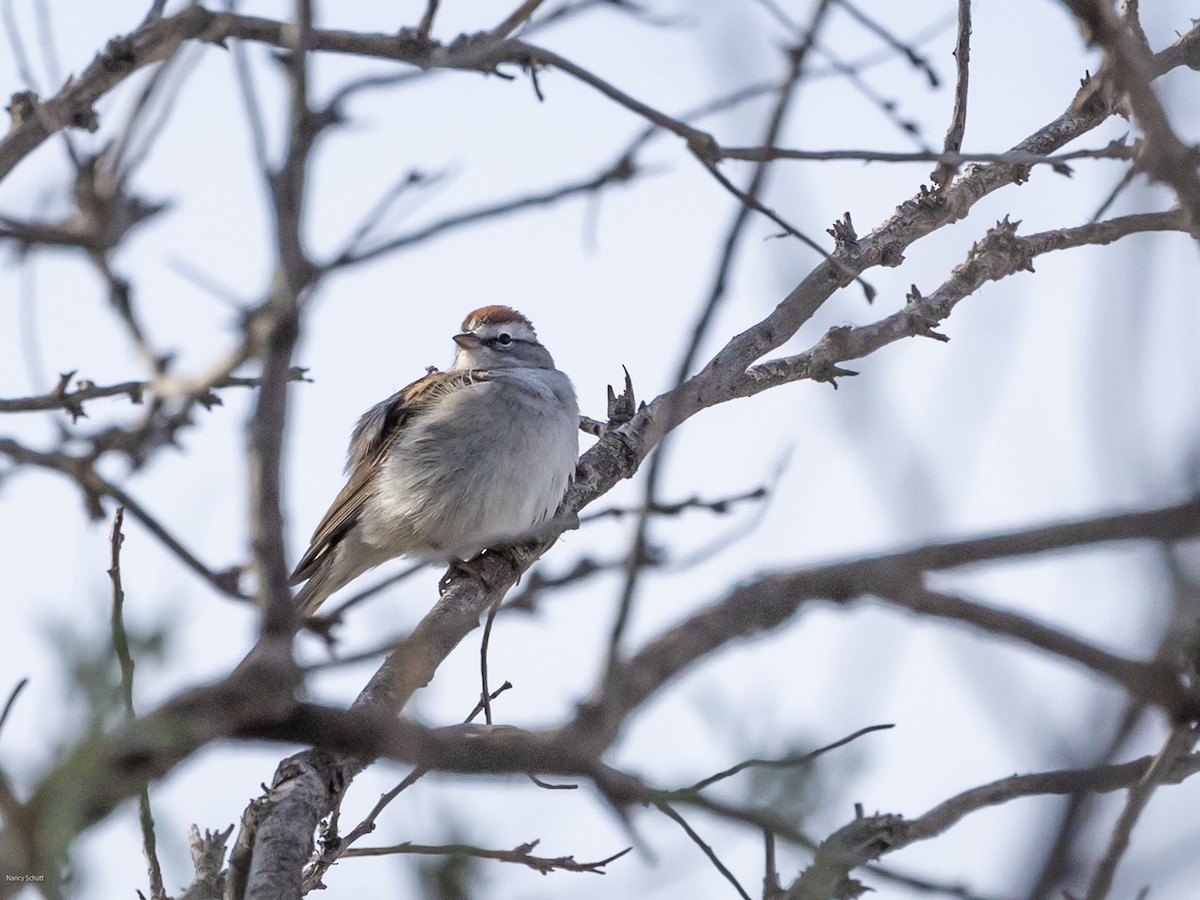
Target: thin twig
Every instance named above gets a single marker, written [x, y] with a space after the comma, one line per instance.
[1119, 188]
[253, 110]
[11, 810]
[786, 762]
[908, 51]
[12, 699]
[771, 886]
[408, 181]
[720, 506]
[1116, 149]
[17, 45]
[888, 107]
[667, 810]
[426, 24]
[338, 846]
[518, 18]
[485, 697]
[339, 612]
[758, 206]
[944, 173]
[520, 855]
[46, 32]
[121, 645]
[72, 400]
[621, 172]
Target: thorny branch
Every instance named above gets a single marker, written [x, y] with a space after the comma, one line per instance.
[999, 254]
[72, 400]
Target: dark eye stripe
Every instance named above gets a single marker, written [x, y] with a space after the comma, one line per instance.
[506, 341]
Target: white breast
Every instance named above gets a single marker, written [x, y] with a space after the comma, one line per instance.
[491, 462]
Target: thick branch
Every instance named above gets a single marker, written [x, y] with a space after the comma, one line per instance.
[765, 603]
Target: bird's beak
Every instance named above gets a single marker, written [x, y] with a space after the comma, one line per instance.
[468, 341]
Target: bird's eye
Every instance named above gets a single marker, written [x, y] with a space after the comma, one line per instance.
[504, 340]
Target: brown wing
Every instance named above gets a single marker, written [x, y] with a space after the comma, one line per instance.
[376, 430]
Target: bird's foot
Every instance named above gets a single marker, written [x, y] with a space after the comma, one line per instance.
[457, 568]
[477, 569]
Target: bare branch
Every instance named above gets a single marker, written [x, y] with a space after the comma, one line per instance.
[720, 506]
[766, 602]
[518, 18]
[17, 45]
[666, 809]
[621, 172]
[12, 699]
[907, 50]
[95, 486]
[1152, 681]
[335, 846]
[958, 121]
[1001, 253]
[72, 400]
[1178, 745]
[423, 29]
[1117, 149]
[522, 855]
[869, 837]
[1131, 66]
[781, 763]
[121, 645]
[11, 809]
[250, 105]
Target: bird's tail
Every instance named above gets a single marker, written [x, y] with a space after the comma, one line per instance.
[315, 591]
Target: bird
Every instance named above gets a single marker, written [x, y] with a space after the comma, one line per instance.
[454, 463]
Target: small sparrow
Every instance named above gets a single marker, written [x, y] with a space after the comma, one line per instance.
[453, 463]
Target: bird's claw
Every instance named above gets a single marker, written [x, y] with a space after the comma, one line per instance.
[623, 406]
